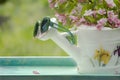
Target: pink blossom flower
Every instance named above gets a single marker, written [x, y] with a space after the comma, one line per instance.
[74, 18]
[110, 20]
[110, 13]
[99, 26]
[117, 23]
[111, 16]
[94, 13]
[73, 12]
[61, 18]
[110, 3]
[101, 23]
[113, 19]
[77, 9]
[88, 12]
[81, 1]
[52, 5]
[50, 1]
[36, 72]
[80, 21]
[101, 11]
[62, 1]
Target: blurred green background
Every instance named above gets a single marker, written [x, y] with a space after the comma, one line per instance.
[17, 19]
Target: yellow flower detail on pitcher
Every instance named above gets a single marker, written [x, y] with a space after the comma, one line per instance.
[103, 56]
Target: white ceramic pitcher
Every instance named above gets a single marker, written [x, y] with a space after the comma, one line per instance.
[95, 52]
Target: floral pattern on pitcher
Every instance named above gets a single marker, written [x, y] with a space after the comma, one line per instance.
[117, 52]
[103, 56]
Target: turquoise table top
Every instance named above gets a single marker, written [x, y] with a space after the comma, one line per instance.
[44, 67]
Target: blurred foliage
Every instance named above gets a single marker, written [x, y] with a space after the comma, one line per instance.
[16, 34]
[3, 1]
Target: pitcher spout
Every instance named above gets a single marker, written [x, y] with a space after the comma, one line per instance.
[57, 37]
[61, 41]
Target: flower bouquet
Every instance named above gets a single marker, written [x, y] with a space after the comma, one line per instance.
[97, 13]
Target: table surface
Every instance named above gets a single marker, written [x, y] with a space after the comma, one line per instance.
[44, 66]
[37, 66]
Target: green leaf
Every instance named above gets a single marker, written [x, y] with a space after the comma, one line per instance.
[90, 19]
[66, 7]
[84, 9]
[86, 6]
[95, 3]
[99, 5]
[117, 2]
[70, 6]
[105, 5]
